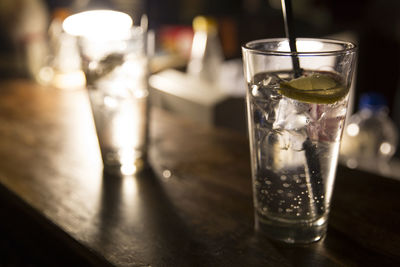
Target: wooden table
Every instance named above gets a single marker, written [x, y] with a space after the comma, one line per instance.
[193, 207]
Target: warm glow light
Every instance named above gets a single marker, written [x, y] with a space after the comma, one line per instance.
[125, 133]
[70, 80]
[110, 102]
[199, 44]
[352, 129]
[352, 163]
[129, 187]
[46, 74]
[385, 148]
[99, 24]
[167, 174]
[128, 169]
[63, 80]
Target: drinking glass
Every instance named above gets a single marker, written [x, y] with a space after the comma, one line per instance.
[114, 60]
[295, 123]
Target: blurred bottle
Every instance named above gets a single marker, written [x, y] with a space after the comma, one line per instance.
[23, 25]
[206, 55]
[63, 66]
[370, 138]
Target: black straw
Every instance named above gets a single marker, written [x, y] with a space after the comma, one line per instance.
[314, 167]
[290, 35]
[316, 182]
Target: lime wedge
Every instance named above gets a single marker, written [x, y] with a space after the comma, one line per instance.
[315, 88]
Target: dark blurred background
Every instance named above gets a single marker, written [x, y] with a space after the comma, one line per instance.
[373, 24]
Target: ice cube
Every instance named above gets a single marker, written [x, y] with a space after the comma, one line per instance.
[259, 91]
[255, 90]
[290, 117]
[272, 79]
[281, 149]
[267, 81]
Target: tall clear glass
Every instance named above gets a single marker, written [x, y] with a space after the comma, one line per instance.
[116, 72]
[295, 123]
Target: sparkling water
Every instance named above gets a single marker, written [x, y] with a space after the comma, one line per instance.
[294, 154]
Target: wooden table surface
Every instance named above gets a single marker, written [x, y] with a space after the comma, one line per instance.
[191, 207]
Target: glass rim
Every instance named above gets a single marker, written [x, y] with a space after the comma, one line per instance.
[347, 47]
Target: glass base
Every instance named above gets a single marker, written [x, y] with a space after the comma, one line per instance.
[292, 233]
[115, 164]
